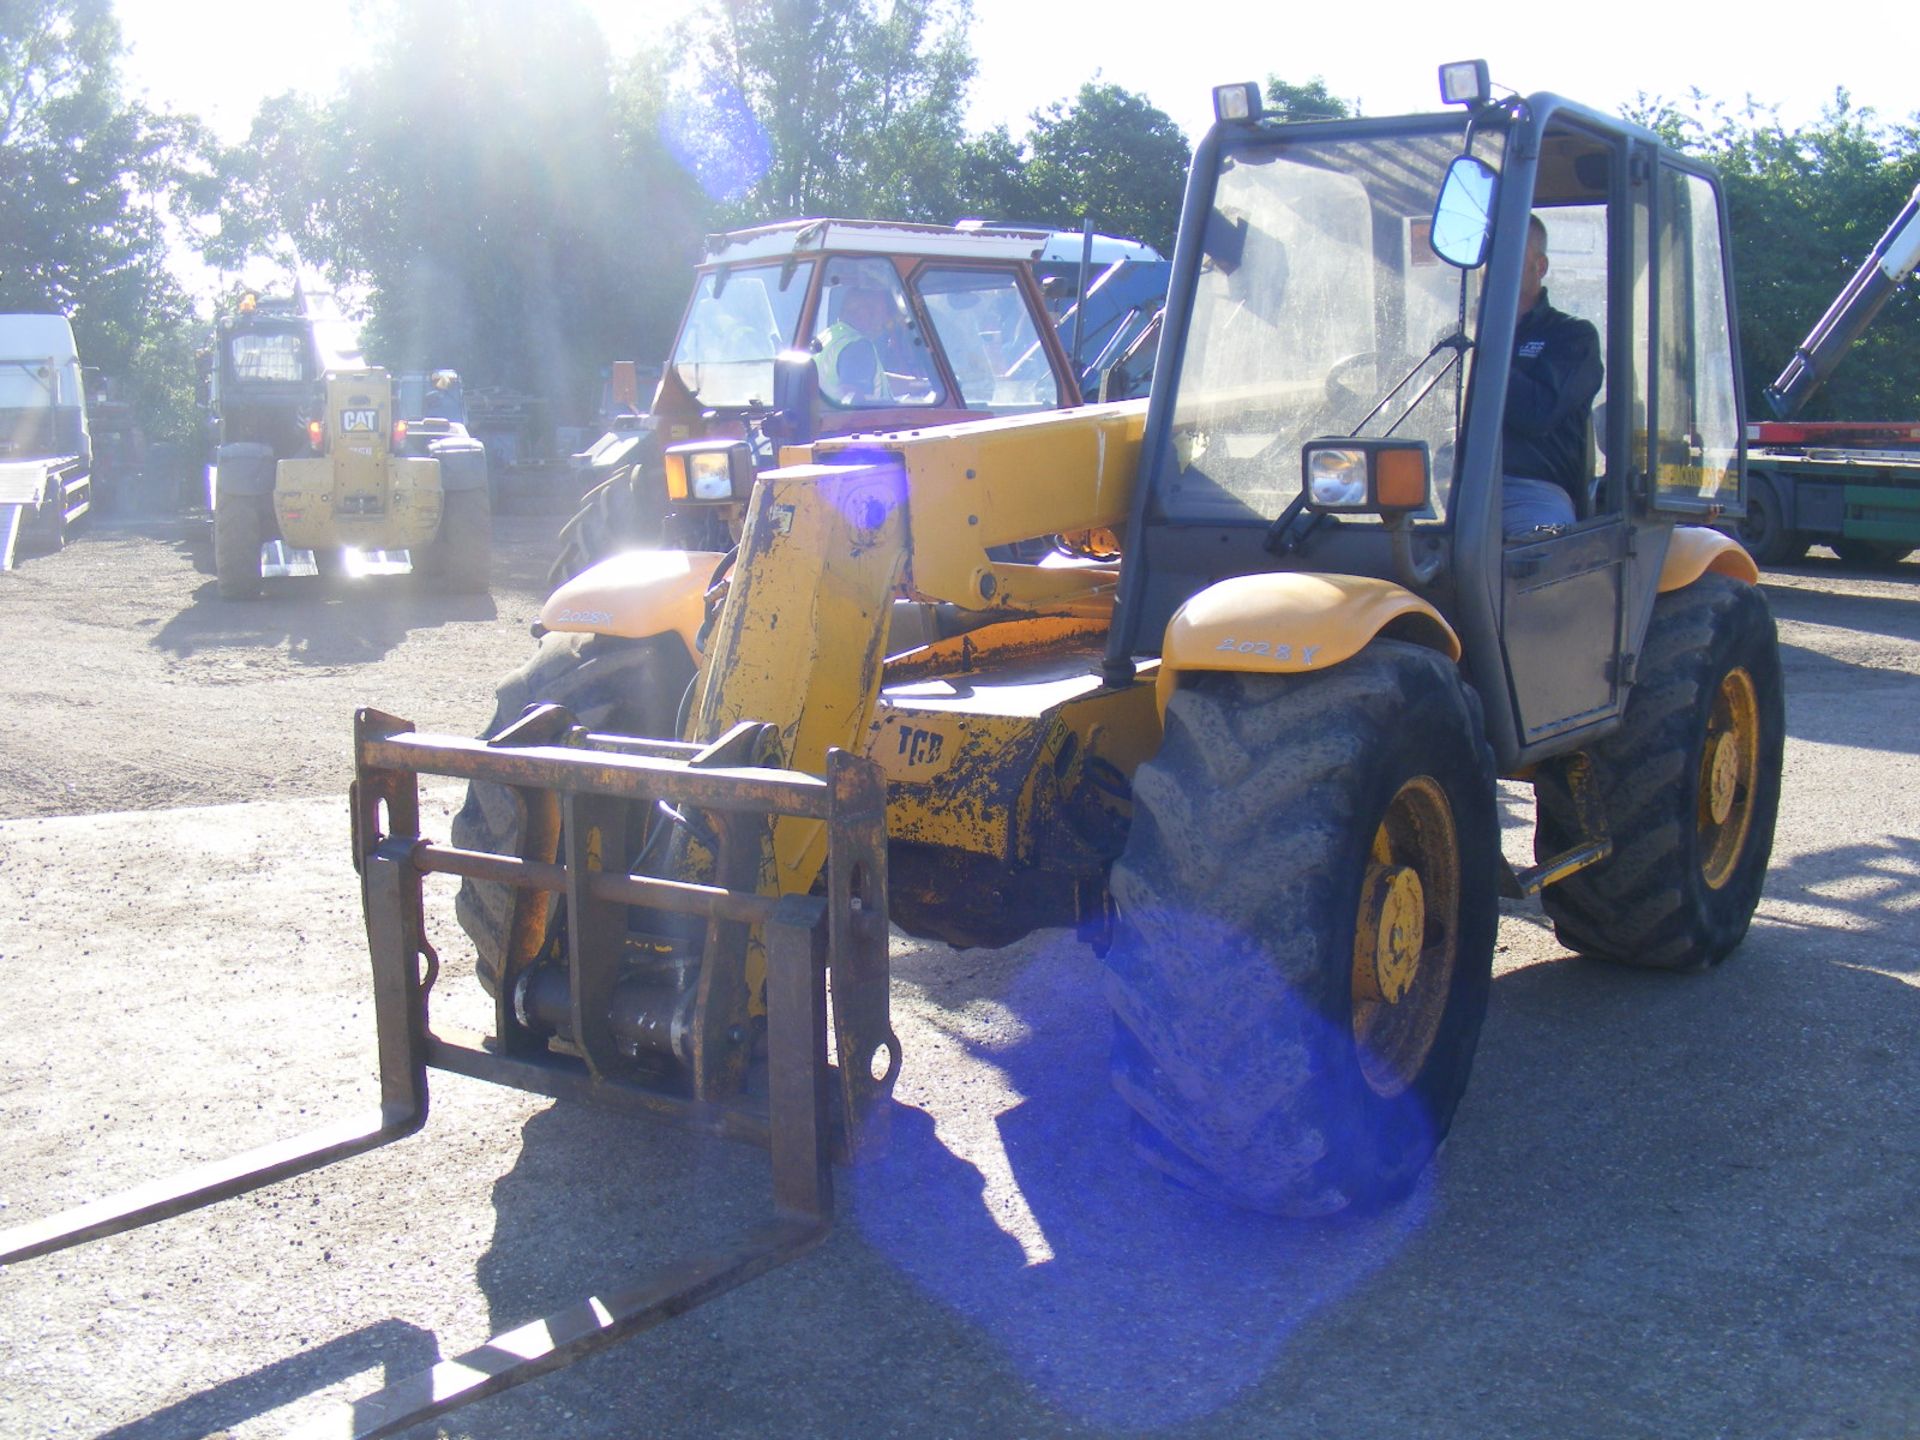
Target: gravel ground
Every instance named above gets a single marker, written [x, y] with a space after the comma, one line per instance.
[1671, 1206]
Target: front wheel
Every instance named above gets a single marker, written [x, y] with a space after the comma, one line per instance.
[613, 685]
[1308, 904]
[461, 558]
[1690, 785]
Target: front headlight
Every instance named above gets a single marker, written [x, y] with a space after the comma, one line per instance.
[1336, 479]
[709, 470]
[708, 477]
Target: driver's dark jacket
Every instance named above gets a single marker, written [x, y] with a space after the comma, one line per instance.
[1550, 390]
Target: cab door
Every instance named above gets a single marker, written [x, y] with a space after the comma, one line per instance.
[1563, 594]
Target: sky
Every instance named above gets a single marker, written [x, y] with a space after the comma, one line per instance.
[222, 63]
[219, 58]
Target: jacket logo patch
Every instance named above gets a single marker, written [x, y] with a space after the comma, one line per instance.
[1531, 350]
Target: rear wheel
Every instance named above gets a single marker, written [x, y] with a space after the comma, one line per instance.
[623, 512]
[1690, 785]
[239, 529]
[626, 687]
[1871, 554]
[1307, 914]
[46, 529]
[1764, 531]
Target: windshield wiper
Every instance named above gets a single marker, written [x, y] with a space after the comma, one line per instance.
[1454, 340]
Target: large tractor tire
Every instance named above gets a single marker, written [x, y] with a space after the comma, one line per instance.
[623, 512]
[1765, 531]
[1871, 554]
[239, 530]
[626, 687]
[460, 558]
[1308, 904]
[1690, 785]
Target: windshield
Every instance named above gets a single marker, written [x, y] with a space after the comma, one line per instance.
[26, 384]
[269, 355]
[1318, 296]
[739, 320]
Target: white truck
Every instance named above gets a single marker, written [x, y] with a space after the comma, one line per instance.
[46, 455]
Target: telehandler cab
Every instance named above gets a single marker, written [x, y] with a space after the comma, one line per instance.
[1254, 758]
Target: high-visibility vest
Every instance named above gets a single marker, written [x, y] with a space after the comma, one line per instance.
[837, 339]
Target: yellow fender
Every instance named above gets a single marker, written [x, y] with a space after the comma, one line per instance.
[635, 595]
[1694, 550]
[1292, 623]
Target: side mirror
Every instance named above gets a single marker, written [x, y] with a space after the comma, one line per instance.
[796, 398]
[1463, 215]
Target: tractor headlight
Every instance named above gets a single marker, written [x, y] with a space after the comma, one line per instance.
[1366, 476]
[710, 470]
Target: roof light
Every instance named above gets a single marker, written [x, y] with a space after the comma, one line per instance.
[1465, 82]
[1237, 102]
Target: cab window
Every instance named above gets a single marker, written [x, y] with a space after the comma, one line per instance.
[993, 346]
[868, 350]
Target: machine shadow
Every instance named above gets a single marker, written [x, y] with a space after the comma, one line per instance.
[401, 1348]
[1660, 1146]
[302, 615]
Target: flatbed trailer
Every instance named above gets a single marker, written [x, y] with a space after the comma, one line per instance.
[46, 453]
[40, 501]
[1851, 485]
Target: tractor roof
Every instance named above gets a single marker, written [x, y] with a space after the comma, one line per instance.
[877, 237]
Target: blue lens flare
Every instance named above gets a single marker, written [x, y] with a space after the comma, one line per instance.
[1128, 1300]
[712, 133]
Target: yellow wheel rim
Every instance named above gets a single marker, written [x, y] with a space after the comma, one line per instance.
[1729, 778]
[1407, 938]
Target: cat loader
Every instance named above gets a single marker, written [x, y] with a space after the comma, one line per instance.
[1242, 727]
[313, 452]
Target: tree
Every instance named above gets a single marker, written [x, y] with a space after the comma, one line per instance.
[1110, 156]
[1311, 101]
[91, 180]
[816, 107]
[488, 182]
[1804, 210]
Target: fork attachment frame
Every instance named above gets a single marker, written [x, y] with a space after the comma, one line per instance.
[813, 1111]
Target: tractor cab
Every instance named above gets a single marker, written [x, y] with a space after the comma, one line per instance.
[1333, 383]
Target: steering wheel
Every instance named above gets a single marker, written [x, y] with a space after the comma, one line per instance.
[1339, 392]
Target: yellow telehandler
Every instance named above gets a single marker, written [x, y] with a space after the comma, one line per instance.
[1242, 726]
[314, 452]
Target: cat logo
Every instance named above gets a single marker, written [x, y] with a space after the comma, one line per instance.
[351, 420]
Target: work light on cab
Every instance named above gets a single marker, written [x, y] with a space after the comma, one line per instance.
[1237, 102]
[1365, 476]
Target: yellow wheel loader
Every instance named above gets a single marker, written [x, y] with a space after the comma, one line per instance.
[1241, 726]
